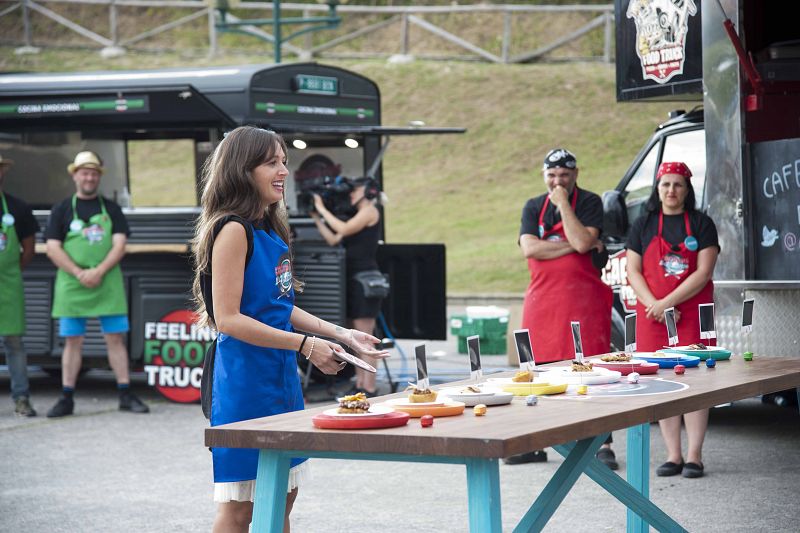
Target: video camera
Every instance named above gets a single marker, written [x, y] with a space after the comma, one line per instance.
[335, 194]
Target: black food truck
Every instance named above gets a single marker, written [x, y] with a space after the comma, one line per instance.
[154, 129]
[739, 132]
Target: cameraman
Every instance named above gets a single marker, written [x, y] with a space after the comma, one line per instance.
[359, 235]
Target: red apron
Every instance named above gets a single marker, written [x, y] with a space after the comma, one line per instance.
[561, 291]
[665, 266]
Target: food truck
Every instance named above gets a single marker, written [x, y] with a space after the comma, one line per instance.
[154, 129]
[739, 132]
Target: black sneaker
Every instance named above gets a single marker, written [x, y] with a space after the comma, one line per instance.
[606, 456]
[23, 407]
[63, 407]
[129, 402]
[536, 456]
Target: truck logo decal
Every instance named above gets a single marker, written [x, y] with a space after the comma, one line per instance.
[661, 28]
[174, 349]
[615, 275]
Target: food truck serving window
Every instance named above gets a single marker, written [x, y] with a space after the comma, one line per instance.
[39, 175]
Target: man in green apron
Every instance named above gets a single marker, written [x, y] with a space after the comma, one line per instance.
[86, 236]
[17, 234]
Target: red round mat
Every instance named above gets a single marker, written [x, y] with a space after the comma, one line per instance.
[390, 420]
[625, 369]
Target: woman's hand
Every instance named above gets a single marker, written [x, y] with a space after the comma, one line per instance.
[319, 352]
[655, 311]
[362, 344]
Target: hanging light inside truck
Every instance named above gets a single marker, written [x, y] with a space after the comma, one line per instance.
[351, 143]
[300, 144]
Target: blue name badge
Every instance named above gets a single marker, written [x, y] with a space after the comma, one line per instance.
[690, 243]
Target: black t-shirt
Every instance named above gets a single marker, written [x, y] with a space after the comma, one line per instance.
[61, 217]
[588, 209]
[361, 249]
[24, 222]
[645, 229]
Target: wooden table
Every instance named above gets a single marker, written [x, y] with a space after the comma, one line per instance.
[574, 427]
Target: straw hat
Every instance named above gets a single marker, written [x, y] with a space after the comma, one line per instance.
[86, 160]
[4, 161]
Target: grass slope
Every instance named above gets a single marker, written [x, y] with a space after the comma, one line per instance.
[466, 191]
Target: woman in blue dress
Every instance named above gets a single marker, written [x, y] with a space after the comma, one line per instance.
[243, 233]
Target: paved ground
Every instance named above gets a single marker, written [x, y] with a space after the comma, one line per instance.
[102, 470]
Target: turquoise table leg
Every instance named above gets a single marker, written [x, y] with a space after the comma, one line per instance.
[483, 492]
[562, 481]
[638, 471]
[272, 479]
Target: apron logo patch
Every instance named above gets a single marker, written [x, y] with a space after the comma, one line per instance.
[94, 233]
[554, 238]
[283, 276]
[3, 242]
[674, 265]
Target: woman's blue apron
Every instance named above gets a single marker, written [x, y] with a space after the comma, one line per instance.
[251, 381]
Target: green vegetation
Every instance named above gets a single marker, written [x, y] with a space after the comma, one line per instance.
[466, 191]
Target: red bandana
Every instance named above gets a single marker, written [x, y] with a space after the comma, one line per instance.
[673, 168]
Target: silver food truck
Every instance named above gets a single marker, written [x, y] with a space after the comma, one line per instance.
[739, 133]
[154, 129]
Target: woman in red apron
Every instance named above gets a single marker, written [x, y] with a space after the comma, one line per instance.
[671, 255]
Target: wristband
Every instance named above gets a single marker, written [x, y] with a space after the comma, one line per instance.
[303, 343]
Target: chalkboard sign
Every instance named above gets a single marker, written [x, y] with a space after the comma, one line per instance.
[659, 50]
[775, 241]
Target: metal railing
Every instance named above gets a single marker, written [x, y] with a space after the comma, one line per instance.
[401, 31]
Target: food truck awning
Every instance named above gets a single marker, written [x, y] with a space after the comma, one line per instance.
[363, 130]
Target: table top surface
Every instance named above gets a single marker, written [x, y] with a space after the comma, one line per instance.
[517, 428]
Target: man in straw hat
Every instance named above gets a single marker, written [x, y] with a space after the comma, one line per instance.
[86, 236]
[18, 230]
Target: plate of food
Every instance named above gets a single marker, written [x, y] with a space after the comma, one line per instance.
[446, 408]
[393, 419]
[357, 405]
[472, 395]
[634, 365]
[582, 373]
[669, 360]
[700, 350]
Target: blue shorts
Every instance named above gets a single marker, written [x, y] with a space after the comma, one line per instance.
[76, 326]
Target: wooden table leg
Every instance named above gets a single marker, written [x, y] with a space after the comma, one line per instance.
[272, 480]
[483, 492]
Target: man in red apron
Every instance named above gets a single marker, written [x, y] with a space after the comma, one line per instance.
[18, 230]
[86, 236]
[559, 235]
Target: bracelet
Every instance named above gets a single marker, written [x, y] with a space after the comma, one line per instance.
[313, 342]
[303, 343]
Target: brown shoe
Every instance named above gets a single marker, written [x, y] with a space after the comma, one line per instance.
[23, 407]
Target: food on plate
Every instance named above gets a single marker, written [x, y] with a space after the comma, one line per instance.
[698, 346]
[616, 357]
[353, 404]
[523, 376]
[471, 389]
[479, 409]
[581, 366]
[420, 395]
[659, 354]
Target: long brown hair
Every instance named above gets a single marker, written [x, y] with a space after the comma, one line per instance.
[229, 189]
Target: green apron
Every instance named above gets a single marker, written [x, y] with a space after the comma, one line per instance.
[12, 298]
[87, 245]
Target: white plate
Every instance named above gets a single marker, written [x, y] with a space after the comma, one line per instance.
[406, 403]
[583, 378]
[374, 411]
[599, 361]
[471, 399]
[462, 391]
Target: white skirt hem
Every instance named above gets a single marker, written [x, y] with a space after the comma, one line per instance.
[243, 491]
